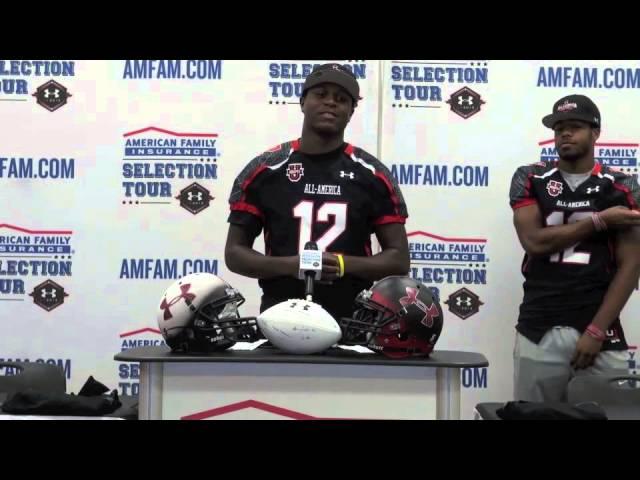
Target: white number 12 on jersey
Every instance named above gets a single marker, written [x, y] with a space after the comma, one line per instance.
[569, 255]
[304, 211]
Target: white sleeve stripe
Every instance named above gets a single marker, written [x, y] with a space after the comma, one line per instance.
[549, 173]
[363, 163]
[278, 165]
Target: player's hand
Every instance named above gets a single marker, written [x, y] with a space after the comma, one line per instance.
[620, 216]
[587, 350]
[330, 267]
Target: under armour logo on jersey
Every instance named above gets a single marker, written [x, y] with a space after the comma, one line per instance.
[612, 336]
[343, 174]
[51, 293]
[594, 189]
[184, 293]
[194, 196]
[52, 92]
[468, 100]
[466, 301]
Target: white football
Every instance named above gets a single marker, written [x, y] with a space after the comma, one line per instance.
[299, 326]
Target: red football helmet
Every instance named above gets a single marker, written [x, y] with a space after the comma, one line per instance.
[398, 317]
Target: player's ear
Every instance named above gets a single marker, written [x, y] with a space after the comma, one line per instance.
[302, 103]
[595, 134]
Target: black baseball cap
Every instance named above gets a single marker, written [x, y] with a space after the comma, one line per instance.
[333, 73]
[574, 107]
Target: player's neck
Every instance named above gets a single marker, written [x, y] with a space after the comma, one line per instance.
[581, 165]
[313, 143]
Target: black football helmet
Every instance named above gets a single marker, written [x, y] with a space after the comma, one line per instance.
[398, 317]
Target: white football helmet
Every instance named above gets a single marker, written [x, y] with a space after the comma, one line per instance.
[199, 314]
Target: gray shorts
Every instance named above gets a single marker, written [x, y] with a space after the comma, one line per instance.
[543, 371]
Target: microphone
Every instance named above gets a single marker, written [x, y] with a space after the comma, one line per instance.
[310, 267]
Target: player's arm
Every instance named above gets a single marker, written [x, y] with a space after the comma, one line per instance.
[241, 258]
[392, 260]
[539, 240]
[627, 252]
[246, 221]
[536, 237]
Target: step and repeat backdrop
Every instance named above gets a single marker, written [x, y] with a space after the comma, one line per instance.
[115, 175]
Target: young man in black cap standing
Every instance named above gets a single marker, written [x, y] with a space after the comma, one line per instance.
[318, 188]
[577, 222]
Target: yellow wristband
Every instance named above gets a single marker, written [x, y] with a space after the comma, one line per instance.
[341, 265]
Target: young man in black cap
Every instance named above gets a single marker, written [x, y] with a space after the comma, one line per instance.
[318, 188]
[577, 221]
